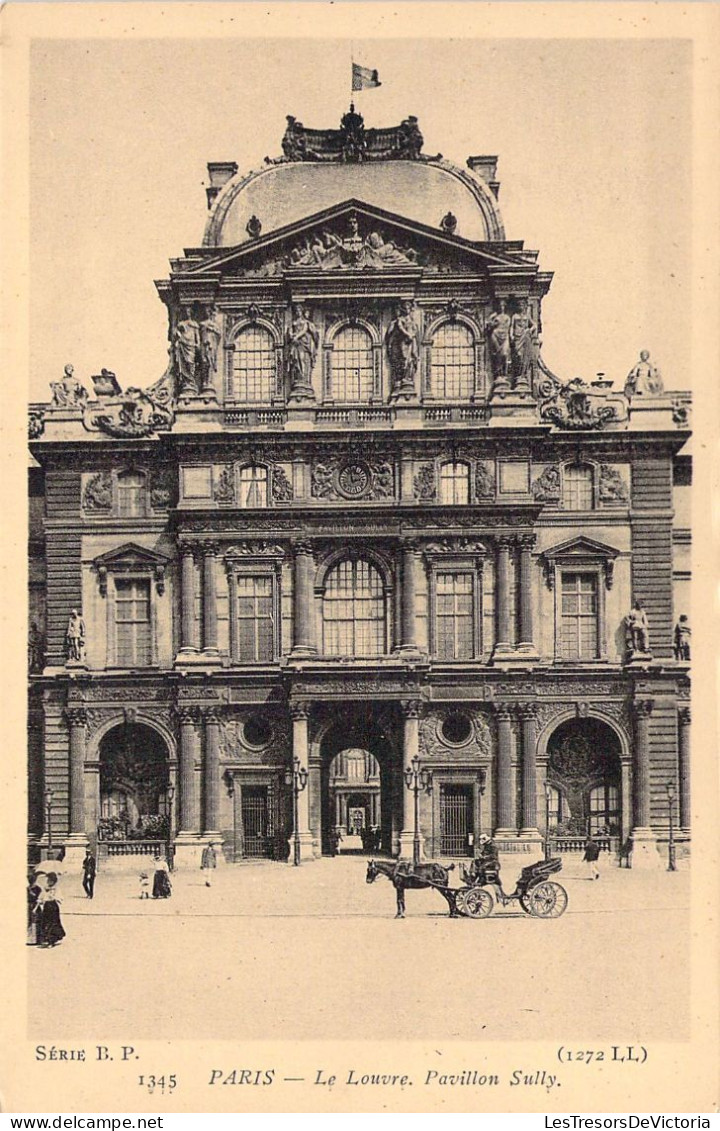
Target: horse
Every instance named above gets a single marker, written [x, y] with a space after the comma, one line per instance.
[402, 875]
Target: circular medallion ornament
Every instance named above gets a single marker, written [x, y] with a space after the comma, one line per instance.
[354, 480]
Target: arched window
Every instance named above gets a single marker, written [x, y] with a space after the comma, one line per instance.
[604, 810]
[354, 614]
[253, 373]
[253, 487]
[454, 483]
[452, 362]
[578, 487]
[351, 366]
[131, 494]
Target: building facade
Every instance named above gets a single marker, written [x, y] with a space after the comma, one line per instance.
[358, 522]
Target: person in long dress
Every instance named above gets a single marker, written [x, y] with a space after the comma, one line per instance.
[162, 888]
[34, 892]
[50, 928]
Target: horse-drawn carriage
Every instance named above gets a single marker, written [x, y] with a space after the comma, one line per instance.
[536, 893]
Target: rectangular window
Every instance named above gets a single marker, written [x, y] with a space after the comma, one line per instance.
[133, 640]
[256, 620]
[131, 495]
[579, 616]
[454, 616]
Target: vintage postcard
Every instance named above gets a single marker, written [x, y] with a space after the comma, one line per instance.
[360, 468]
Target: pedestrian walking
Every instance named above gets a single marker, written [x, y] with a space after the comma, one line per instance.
[50, 928]
[208, 863]
[592, 852]
[162, 888]
[89, 869]
[34, 892]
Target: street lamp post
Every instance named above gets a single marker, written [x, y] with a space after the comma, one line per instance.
[296, 776]
[670, 790]
[48, 818]
[170, 795]
[548, 799]
[417, 780]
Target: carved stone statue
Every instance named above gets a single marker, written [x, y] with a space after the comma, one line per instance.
[523, 345]
[253, 227]
[449, 223]
[638, 629]
[643, 379]
[186, 355]
[68, 393]
[403, 348]
[209, 342]
[75, 638]
[294, 145]
[352, 135]
[301, 346]
[499, 327]
[36, 650]
[681, 641]
[409, 138]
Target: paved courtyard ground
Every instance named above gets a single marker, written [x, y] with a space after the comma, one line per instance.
[275, 952]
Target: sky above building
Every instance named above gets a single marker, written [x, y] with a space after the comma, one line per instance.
[593, 139]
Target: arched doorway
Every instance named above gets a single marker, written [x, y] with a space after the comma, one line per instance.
[361, 798]
[584, 775]
[135, 793]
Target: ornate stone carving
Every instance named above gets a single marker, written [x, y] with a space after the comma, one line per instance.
[433, 741]
[460, 545]
[301, 346]
[576, 404]
[682, 637]
[637, 628]
[209, 334]
[76, 716]
[547, 488]
[402, 342]
[75, 638]
[523, 346]
[353, 477]
[411, 708]
[299, 710]
[352, 142]
[224, 486]
[681, 413]
[255, 548]
[282, 491]
[186, 354]
[97, 496]
[643, 379]
[128, 693]
[484, 480]
[643, 708]
[253, 227]
[685, 716]
[331, 251]
[498, 325]
[163, 489]
[612, 489]
[424, 487]
[68, 392]
[449, 224]
[36, 425]
[135, 413]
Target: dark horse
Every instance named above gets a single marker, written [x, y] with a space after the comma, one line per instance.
[402, 875]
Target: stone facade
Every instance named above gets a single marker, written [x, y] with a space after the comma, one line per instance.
[357, 515]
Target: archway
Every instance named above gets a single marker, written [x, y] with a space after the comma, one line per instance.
[584, 775]
[134, 779]
[354, 787]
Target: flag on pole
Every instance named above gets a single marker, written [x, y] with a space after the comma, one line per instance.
[363, 78]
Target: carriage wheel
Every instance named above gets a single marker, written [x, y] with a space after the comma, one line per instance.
[476, 903]
[547, 900]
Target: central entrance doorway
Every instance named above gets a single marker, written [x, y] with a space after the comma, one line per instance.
[354, 787]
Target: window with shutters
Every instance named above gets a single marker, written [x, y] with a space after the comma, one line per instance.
[579, 616]
[253, 487]
[354, 610]
[454, 483]
[454, 616]
[133, 627]
[131, 502]
[452, 362]
[352, 369]
[578, 487]
[252, 373]
[255, 612]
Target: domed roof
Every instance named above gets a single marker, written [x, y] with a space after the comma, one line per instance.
[388, 176]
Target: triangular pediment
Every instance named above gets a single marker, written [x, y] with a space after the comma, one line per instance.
[580, 547]
[130, 555]
[355, 236]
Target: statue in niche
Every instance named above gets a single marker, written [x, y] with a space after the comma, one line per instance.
[75, 638]
[681, 638]
[637, 627]
[209, 332]
[36, 648]
[68, 393]
[499, 326]
[186, 354]
[523, 344]
[403, 348]
[643, 379]
[301, 346]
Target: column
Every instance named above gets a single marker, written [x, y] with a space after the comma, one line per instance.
[300, 713]
[409, 559]
[528, 713]
[684, 766]
[527, 637]
[304, 643]
[502, 595]
[77, 720]
[411, 709]
[188, 822]
[211, 774]
[644, 850]
[188, 633]
[210, 629]
[506, 825]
